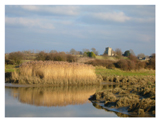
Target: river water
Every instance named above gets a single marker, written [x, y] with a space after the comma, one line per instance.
[51, 101]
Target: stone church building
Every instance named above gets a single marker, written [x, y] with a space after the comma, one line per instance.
[109, 51]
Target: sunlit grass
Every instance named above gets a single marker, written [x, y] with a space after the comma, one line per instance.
[117, 72]
[10, 68]
[44, 72]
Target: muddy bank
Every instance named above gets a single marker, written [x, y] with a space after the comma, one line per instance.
[129, 100]
[129, 79]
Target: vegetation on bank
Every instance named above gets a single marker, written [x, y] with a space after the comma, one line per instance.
[106, 67]
[132, 63]
[134, 100]
[49, 72]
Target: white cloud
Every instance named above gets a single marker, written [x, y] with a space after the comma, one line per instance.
[64, 10]
[115, 16]
[40, 23]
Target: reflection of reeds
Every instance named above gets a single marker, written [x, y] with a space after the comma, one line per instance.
[54, 96]
[55, 73]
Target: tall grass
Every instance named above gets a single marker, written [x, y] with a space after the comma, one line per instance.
[58, 73]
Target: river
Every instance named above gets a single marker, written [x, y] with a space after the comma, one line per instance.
[51, 101]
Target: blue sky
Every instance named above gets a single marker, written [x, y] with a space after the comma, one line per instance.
[63, 27]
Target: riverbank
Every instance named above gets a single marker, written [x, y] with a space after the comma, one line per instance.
[137, 99]
[135, 95]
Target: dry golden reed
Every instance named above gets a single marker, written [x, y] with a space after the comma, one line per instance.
[53, 72]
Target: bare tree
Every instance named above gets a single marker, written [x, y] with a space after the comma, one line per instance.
[118, 52]
[86, 50]
[132, 52]
[73, 51]
[141, 55]
[94, 51]
[53, 51]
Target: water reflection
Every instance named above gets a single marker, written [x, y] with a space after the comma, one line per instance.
[54, 96]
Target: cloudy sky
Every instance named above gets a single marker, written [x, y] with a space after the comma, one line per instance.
[80, 27]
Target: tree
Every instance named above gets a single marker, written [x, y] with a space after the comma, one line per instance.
[85, 50]
[151, 63]
[118, 52]
[141, 55]
[53, 51]
[16, 57]
[90, 54]
[132, 52]
[41, 56]
[127, 53]
[73, 51]
[94, 51]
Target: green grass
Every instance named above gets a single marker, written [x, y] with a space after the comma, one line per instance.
[112, 72]
[109, 57]
[106, 57]
[11, 68]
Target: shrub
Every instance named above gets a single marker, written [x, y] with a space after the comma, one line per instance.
[41, 56]
[131, 65]
[61, 56]
[132, 58]
[140, 65]
[16, 57]
[7, 61]
[105, 63]
[90, 54]
[151, 63]
[122, 64]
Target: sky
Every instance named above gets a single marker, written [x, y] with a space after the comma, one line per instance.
[63, 27]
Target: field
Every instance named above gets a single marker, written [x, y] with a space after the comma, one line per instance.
[117, 72]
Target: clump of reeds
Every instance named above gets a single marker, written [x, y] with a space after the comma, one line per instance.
[59, 73]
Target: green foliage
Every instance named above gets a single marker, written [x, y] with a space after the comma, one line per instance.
[89, 54]
[117, 72]
[127, 53]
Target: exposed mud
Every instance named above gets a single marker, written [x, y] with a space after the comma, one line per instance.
[128, 100]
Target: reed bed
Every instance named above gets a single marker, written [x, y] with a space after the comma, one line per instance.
[53, 72]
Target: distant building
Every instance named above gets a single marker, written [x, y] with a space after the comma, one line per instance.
[146, 58]
[109, 51]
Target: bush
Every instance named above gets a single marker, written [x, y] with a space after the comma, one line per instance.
[131, 65]
[61, 56]
[122, 64]
[16, 57]
[90, 54]
[151, 63]
[105, 63]
[7, 61]
[140, 65]
[41, 56]
[132, 58]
